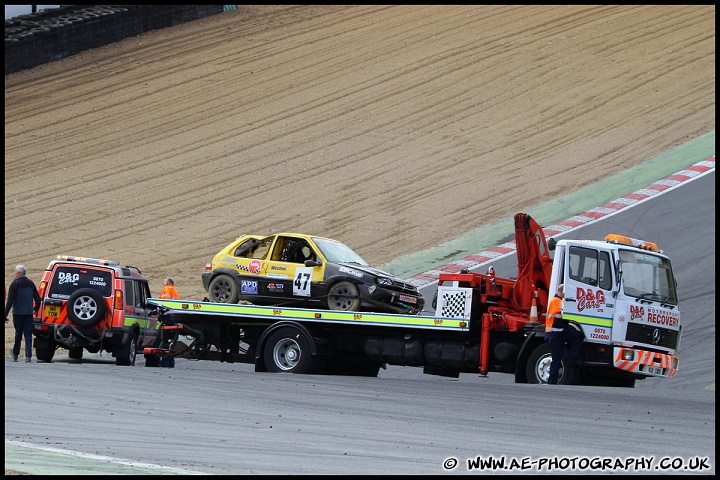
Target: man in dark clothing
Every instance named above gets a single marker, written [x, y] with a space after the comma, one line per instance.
[559, 332]
[24, 300]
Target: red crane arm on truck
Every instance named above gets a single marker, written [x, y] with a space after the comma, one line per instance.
[534, 263]
[507, 302]
[533, 277]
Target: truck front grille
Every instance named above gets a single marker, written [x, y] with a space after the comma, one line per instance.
[658, 336]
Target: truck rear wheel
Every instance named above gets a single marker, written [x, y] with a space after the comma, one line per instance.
[288, 350]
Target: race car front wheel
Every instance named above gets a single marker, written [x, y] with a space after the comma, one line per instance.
[343, 296]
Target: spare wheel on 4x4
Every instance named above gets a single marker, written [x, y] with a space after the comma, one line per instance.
[86, 307]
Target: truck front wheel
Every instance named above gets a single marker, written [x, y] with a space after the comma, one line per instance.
[538, 367]
[288, 350]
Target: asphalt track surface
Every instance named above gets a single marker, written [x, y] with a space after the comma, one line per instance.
[214, 418]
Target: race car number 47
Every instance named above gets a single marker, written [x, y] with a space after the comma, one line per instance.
[301, 283]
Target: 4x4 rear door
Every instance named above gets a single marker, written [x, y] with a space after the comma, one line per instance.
[68, 279]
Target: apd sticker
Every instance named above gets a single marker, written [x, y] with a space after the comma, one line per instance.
[249, 287]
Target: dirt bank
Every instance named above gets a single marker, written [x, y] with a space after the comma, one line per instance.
[391, 128]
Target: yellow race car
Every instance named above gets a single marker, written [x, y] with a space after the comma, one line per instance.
[296, 270]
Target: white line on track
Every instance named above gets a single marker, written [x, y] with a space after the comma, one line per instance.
[91, 456]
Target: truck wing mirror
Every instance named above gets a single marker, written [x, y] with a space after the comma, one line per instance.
[312, 263]
[552, 243]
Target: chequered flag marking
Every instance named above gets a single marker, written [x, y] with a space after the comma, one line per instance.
[453, 305]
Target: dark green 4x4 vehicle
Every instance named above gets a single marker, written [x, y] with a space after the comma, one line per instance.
[94, 305]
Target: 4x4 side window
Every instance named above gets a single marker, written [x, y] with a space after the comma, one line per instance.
[129, 293]
[142, 292]
[68, 279]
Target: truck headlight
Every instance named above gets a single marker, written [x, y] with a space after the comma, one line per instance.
[628, 355]
[676, 361]
[384, 281]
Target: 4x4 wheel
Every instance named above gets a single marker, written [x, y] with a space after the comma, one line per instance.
[127, 353]
[45, 349]
[86, 307]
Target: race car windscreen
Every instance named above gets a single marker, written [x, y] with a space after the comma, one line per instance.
[338, 252]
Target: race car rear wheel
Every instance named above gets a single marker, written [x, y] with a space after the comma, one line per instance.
[343, 296]
[223, 289]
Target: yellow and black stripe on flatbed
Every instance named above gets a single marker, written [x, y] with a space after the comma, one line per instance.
[254, 313]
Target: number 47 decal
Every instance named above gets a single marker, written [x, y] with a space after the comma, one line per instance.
[301, 283]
